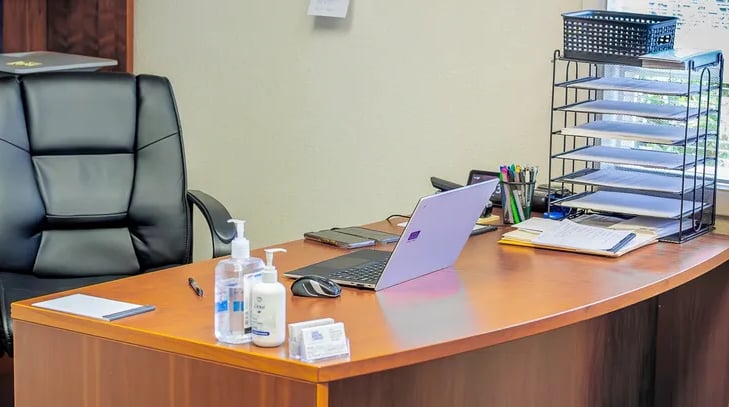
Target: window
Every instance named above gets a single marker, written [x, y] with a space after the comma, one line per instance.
[701, 24]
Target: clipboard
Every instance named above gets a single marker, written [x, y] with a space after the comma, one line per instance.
[532, 232]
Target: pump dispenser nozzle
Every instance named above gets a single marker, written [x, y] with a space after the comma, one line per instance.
[269, 272]
[241, 247]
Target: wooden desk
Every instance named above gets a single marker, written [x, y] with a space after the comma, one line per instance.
[508, 326]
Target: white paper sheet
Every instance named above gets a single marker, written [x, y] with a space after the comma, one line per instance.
[661, 227]
[629, 156]
[94, 307]
[537, 224]
[649, 133]
[574, 235]
[328, 8]
[633, 204]
[647, 181]
[632, 85]
[669, 112]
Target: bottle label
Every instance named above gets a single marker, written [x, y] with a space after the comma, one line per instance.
[229, 310]
[259, 319]
[226, 294]
[249, 281]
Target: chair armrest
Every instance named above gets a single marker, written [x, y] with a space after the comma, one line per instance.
[216, 216]
[6, 339]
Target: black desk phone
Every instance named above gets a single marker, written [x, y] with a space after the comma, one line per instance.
[539, 200]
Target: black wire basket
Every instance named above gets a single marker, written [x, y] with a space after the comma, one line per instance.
[615, 37]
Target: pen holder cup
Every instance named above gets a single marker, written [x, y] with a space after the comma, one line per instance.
[516, 201]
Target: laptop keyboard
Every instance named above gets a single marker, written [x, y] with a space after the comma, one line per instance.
[364, 273]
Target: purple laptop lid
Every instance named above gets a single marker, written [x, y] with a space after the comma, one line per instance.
[436, 233]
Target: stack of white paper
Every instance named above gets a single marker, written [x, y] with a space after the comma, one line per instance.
[634, 204]
[649, 133]
[646, 181]
[661, 227]
[630, 85]
[678, 58]
[655, 111]
[629, 156]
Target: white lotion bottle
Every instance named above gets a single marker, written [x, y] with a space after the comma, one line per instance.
[268, 306]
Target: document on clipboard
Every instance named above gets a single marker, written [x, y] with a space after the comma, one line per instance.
[567, 235]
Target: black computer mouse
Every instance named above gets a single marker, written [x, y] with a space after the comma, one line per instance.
[315, 286]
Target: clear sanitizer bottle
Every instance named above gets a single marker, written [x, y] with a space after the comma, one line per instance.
[234, 280]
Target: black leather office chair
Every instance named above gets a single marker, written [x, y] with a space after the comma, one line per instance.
[92, 184]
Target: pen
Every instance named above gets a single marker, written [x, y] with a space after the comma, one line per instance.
[193, 284]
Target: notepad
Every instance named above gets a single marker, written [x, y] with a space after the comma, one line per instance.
[94, 307]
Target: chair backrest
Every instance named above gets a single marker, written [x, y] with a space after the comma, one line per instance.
[92, 175]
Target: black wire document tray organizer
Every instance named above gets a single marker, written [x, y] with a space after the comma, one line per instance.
[637, 142]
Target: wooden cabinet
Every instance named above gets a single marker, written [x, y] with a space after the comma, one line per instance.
[102, 28]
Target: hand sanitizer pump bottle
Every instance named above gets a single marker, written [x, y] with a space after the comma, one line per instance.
[234, 279]
[268, 306]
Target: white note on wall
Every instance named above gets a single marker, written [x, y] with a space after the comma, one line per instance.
[328, 8]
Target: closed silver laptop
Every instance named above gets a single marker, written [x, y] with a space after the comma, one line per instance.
[21, 63]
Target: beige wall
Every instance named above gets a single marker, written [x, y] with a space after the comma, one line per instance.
[299, 123]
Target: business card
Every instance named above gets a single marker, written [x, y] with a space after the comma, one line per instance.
[324, 342]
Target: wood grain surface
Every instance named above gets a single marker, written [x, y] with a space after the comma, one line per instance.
[92, 27]
[693, 343]
[102, 28]
[493, 295]
[24, 25]
[89, 371]
[548, 369]
[573, 366]
[6, 382]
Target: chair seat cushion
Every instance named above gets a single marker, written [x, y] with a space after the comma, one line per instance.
[16, 287]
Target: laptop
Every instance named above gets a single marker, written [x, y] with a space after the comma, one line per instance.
[21, 63]
[432, 240]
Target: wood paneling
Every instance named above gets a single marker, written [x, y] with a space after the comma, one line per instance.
[73, 26]
[623, 357]
[569, 367]
[6, 382]
[575, 366]
[24, 25]
[693, 343]
[101, 28]
[81, 370]
[91, 27]
[1, 24]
